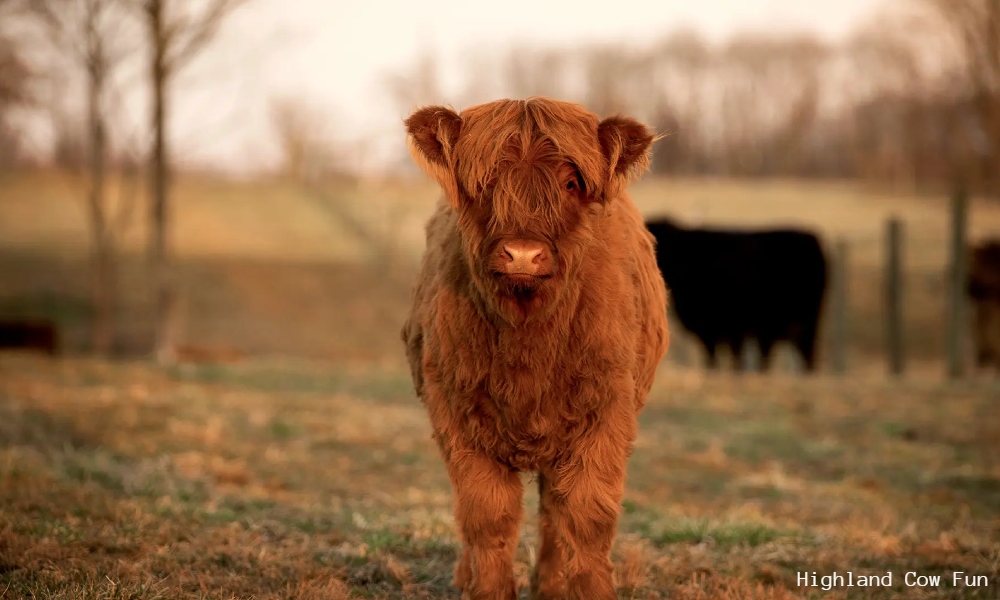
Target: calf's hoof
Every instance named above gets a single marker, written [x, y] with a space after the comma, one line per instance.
[506, 592]
[547, 587]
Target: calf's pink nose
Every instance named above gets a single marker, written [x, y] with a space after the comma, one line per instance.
[524, 257]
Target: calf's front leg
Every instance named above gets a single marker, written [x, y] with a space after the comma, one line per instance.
[488, 510]
[586, 497]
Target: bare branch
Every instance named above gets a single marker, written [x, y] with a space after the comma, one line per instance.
[197, 32]
[14, 75]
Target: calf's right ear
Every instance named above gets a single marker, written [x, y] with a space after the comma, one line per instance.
[432, 132]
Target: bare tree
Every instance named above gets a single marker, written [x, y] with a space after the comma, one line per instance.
[93, 35]
[604, 65]
[15, 73]
[744, 65]
[794, 89]
[975, 28]
[680, 70]
[770, 92]
[177, 31]
[535, 72]
[15, 80]
[482, 82]
[886, 74]
[307, 151]
[421, 85]
[17, 77]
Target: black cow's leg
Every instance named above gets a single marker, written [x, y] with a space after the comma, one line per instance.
[809, 357]
[766, 347]
[807, 348]
[739, 356]
[711, 360]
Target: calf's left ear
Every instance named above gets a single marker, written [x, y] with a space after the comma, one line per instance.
[626, 144]
[432, 132]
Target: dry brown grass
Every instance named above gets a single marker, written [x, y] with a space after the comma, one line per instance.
[299, 480]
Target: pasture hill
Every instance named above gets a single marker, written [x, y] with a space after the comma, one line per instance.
[267, 267]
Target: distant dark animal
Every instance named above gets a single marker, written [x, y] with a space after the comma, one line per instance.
[35, 334]
[984, 296]
[729, 287]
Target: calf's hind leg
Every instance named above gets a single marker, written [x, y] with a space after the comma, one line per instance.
[548, 578]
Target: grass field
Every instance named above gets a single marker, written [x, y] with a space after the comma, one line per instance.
[283, 479]
[316, 478]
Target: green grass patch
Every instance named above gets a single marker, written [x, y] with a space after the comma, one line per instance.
[700, 531]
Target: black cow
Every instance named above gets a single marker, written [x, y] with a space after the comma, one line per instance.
[731, 286]
[29, 334]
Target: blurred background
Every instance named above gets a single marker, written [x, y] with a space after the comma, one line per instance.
[208, 210]
[230, 177]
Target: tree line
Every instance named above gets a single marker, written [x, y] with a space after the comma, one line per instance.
[910, 98]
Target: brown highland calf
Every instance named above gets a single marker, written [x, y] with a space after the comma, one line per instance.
[538, 322]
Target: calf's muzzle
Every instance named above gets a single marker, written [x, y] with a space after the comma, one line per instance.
[525, 258]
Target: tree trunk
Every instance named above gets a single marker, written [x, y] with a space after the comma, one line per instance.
[105, 300]
[992, 90]
[160, 187]
[104, 282]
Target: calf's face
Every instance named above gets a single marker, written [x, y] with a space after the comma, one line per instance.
[527, 179]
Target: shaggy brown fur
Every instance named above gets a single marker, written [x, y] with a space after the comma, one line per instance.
[984, 293]
[539, 319]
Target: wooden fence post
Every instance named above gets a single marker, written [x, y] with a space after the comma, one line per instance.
[894, 295]
[839, 307]
[956, 284]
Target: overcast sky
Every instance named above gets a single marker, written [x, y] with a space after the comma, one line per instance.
[335, 52]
